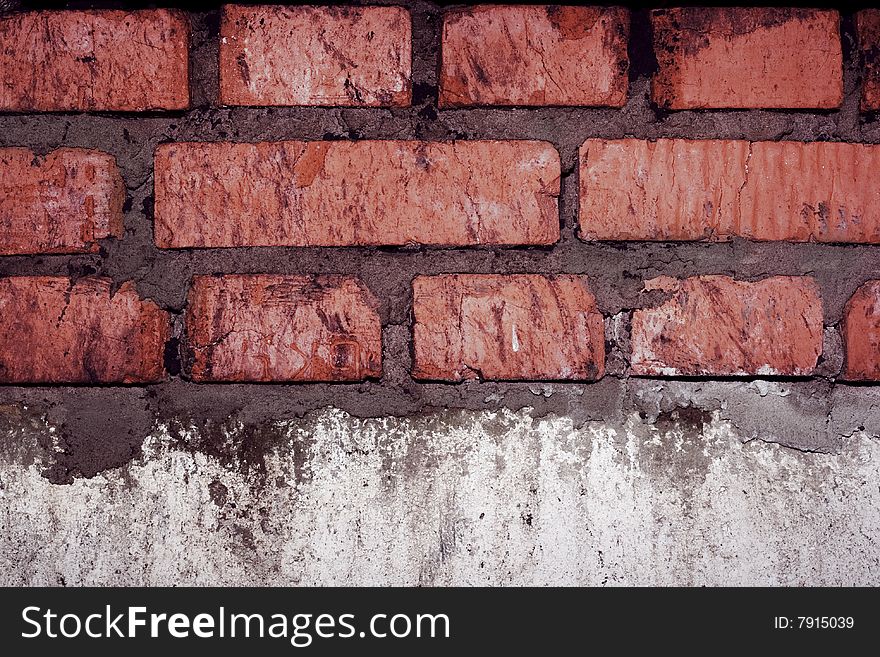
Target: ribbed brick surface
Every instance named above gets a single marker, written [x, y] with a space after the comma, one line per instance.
[102, 60]
[61, 203]
[676, 189]
[56, 331]
[506, 327]
[356, 193]
[343, 56]
[718, 326]
[282, 328]
[718, 57]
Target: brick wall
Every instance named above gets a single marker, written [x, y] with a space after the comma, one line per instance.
[404, 197]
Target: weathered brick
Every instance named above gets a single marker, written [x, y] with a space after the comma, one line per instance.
[678, 189]
[735, 57]
[55, 61]
[282, 328]
[868, 30]
[534, 55]
[361, 193]
[506, 327]
[718, 326]
[53, 330]
[61, 203]
[861, 334]
[342, 56]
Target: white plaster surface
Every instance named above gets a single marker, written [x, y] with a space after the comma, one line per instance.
[456, 498]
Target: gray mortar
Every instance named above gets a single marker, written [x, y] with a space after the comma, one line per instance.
[813, 415]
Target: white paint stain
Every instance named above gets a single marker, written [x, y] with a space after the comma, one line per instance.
[514, 340]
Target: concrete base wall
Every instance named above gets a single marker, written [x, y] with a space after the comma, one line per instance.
[459, 497]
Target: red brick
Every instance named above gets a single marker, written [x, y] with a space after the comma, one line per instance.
[343, 56]
[56, 331]
[677, 189]
[868, 30]
[282, 328]
[61, 203]
[534, 55]
[734, 57]
[861, 334]
[718, 326]
[55, 61]
[362, 193]
[506, 327]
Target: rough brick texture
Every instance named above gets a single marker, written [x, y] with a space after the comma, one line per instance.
[861, 334]
[506, 327]
[53, 61]
[56, 331]
[61, 203]
[747, 58]
[282, 328]
[343, 56]
[868, 29]
[718, 326]
[344, 193]
[676, 189]
[534, 55]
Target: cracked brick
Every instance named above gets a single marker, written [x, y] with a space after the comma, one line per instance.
[61, 203]
[356, 193]
[679, 189]
[755, 57]
[506, 327]
[331, 56]
[718, 326]
[53, 330]
[102, 60]
[534, 55]
[282, 328]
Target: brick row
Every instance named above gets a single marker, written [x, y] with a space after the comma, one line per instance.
[460, 194]
[502, 55]
[262, 327]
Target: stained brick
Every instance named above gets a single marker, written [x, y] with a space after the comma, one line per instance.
[362, 193]
[61, 203]
[506, 327]
[103, 60]
[755, 57]
[868, 30]
[678, 189]
[534, 55]
[282, 328]
[342, 56]
[861, 334]
[718, 326]
[56, 331]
